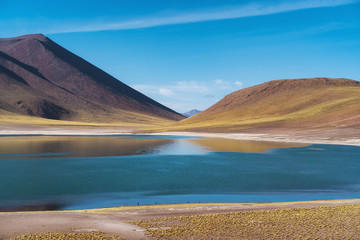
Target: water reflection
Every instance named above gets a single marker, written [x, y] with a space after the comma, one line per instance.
[230, 145]
[95, 146]
[30, 146]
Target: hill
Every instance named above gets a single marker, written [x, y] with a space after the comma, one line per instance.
[288, 104]
[39, 78]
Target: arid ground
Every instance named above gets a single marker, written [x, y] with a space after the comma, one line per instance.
[116, 220]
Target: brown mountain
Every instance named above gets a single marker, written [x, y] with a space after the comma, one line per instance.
[40, 78]
[291, 103]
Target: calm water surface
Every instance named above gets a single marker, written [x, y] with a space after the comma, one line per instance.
[101, 171]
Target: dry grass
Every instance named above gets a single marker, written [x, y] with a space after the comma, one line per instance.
[67, 236]
[338, 222]
[305, 108]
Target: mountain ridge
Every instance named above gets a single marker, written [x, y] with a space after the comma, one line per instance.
[257, 92]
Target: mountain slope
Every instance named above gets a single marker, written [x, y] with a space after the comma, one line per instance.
[40, 78]
[294, 103]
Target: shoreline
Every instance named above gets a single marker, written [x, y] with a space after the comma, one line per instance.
[334, 137]
[268, 137]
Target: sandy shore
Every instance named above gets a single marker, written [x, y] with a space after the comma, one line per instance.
[113, 220]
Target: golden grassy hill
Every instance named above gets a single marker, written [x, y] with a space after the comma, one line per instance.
[291, 103]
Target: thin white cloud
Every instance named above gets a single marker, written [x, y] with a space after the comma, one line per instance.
[225, 85]
[239, 84]
[202, 16]
[166, 92]
[219, 81]
[191, 86]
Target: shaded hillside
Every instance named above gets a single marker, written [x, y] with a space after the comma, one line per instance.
[294, 103]
[40, 78]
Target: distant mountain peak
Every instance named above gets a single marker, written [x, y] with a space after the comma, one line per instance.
[191, 113]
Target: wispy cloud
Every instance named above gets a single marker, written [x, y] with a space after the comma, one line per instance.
[166, 92]
[232, 12]
[239, 84]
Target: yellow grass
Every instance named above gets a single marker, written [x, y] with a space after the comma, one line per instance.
[67, 236]
[338, 222]
[131, 120]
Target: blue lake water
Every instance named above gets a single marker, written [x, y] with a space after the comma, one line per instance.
[102, 171]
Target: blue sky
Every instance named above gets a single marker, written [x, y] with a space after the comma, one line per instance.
[190, 54]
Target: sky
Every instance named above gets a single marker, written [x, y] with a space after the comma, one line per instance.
[189, 54]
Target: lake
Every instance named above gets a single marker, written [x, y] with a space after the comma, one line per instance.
[79, 172]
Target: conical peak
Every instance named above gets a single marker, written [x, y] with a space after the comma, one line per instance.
[37, 36]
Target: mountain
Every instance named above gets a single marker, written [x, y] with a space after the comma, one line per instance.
[191, 113]
[40, 78]
[289, 104]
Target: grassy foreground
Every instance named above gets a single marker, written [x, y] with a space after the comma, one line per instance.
[67, 236]
[330, 219]
[339, 222]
